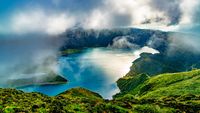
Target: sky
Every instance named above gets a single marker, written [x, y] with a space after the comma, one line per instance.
[55, 16]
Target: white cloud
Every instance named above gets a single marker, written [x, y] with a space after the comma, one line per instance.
[59, 23]
[123, 42]
[41, 21]
[138, 12]
[188, 8]
[150, 14]
[97, 19]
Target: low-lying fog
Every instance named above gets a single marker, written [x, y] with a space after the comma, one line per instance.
[96, 69]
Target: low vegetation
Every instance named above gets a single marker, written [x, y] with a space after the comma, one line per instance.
[165, 93]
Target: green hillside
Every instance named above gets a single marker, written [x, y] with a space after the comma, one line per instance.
[180, 91]
[154, 64]
[73, 100]
[176, 83]
[164, 93]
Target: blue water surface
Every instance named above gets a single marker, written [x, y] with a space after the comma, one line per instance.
[82, 71]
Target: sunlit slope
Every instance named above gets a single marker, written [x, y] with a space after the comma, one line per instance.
[179, 91]
[169, 84]
[73, 100]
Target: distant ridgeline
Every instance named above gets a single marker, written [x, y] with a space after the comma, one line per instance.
[81, 38]
[172, 57]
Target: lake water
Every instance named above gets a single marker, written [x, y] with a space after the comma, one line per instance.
[96, 69]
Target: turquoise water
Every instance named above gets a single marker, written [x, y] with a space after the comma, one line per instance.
[96, 69]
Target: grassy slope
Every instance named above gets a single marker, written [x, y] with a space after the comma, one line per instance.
[165, 93]
[172, 84]
[179, 90]
[154, 64]
[73, 100]
[177, 83]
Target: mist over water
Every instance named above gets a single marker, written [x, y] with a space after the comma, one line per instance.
[96, 69]
[27, 56]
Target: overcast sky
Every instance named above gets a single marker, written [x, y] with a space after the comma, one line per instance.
[55, 16]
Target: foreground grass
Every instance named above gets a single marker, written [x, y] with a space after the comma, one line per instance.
[165, 93]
